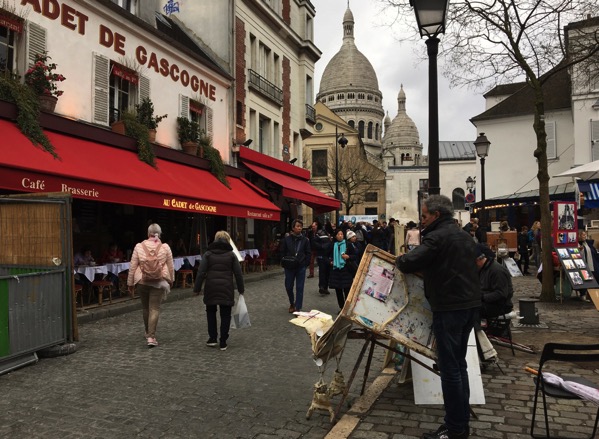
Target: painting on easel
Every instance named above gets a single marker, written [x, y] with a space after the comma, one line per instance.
[390, 303]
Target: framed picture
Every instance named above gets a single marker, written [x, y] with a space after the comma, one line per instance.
[565, 223]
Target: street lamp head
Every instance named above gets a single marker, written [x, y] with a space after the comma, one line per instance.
[342, 141]
[469, 183]
[248, 142]
[482, 145]
[430, 16]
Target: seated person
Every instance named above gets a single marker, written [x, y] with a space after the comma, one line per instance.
[113, 254]
[83, 257]
[495, 284]
[179, 248]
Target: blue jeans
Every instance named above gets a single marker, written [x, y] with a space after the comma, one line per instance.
[452, 329]
[298, 277]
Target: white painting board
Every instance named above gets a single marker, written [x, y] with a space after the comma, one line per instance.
[512, 267]
[427, 385]
[235, 251]
[390, 303]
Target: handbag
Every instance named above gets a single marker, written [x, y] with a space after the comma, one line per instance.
[517, 256]
[240, 318]
[290, 262]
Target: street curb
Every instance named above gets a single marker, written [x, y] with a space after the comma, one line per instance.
[93, 314]
[361, 406]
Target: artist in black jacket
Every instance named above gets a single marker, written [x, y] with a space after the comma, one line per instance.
[446, 257]
[495, 283]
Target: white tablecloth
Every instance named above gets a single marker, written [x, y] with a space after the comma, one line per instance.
[178, 262]
[118, 267]
[90, 271]
[252, 252]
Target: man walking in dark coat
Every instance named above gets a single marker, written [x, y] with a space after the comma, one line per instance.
[296, 244]
[446, 257]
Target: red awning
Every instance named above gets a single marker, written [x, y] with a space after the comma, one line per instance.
[293, 179]
[97, 172]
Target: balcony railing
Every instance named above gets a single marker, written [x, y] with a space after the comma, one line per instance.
[265, 87]
[310, 114]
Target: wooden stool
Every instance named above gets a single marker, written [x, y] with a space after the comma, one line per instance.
[183, 278]
[78, 292]
[100, 286]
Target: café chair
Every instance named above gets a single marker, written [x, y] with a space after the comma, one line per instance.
[565, 353]
[259, 261]
[245, 263]
[78, 293]
[99, 287]
[123, 290]
[182, 276]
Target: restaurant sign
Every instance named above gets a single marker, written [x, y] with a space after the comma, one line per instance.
[14, 179]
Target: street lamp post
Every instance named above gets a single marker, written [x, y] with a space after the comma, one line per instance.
[430, 16]
[343, 142]
[482, 145]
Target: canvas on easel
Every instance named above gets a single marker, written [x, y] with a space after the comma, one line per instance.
[390, 303]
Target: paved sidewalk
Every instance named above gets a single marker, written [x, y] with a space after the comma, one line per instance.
[507, 412]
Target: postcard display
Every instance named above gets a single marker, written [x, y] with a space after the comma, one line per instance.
[565, 240]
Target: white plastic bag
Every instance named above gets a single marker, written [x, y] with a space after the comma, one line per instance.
[240, 318]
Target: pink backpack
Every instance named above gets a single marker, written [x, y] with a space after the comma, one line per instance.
[151, 268]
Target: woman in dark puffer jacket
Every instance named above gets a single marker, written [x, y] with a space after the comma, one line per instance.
[218, 266]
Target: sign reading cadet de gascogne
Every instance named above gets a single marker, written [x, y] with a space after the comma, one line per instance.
[75, 20]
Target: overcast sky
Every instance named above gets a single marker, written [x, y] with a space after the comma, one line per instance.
[395, 64]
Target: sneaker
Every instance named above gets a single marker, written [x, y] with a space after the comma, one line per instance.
[211, 343]
[291, 309]
[444, 433]
[152, 342]
[223, 346]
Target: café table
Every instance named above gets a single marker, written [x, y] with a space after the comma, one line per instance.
[179, 261]
[90, 271]
[118, 267]
[251, 252]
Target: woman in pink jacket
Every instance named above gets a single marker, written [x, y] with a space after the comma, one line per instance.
[152, 272]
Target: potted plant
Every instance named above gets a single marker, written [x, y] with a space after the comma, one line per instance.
[42, 79]
[189, 134]
[145, 116]
[217, 167]
[12, 90]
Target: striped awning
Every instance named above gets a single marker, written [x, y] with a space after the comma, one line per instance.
[591, 193]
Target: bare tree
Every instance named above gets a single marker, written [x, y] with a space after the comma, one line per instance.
[490, 42]
[357, 176]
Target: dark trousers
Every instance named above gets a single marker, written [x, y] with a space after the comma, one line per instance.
[324, 269]
[312, 259]
[225, 322]
[524, 259]
[342, 294]
[297, 277]
[452, 329]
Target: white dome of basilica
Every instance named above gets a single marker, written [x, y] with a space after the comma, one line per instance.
[350, 88]
[402, 131]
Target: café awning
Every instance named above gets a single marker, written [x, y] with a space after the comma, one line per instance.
[92, 171]
[292, 179]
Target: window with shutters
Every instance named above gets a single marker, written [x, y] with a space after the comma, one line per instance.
[7, 49]
[458, 199]
[128, 5]
[595, 140]
[319, 163]
[116, 89]
[551, 140]
[371, 197]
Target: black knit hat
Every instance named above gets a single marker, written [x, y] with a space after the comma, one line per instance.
[484, 250]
